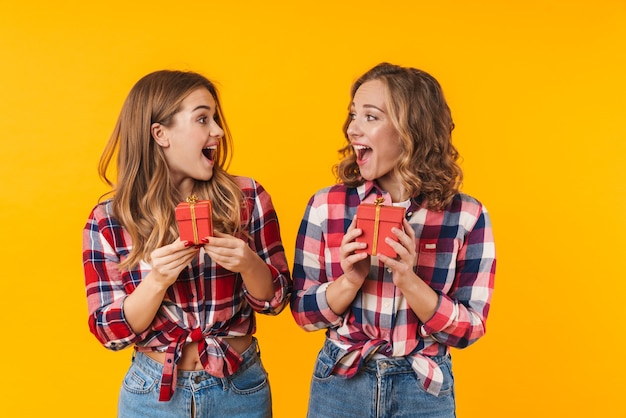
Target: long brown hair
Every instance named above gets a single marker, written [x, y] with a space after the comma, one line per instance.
[144, 197]
[428, 165]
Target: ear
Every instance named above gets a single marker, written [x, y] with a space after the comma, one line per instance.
[159, 135]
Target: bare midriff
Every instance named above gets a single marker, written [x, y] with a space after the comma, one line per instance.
[190, 360]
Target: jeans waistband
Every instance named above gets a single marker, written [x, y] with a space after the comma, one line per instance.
[379, 364]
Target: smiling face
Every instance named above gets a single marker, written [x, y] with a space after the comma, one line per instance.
[190, 142]
[373, 136]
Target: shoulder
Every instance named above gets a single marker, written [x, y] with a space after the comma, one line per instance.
[102, 222]
[249, 186]
[246, 183]
[466, 202]
[467, 208]
[254, 194]
[102, 211]
[335, 194]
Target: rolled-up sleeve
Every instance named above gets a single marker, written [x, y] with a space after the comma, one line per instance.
[104, 285]
[266, 241]
[309, 306]
[460, 317]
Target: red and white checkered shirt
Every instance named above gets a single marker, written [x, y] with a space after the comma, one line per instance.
[456, 257]
[207, 303]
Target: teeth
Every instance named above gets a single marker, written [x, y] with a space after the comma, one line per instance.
[209, 152]
[360, 150]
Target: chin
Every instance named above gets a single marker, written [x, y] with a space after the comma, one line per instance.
[367, 177]
[205, 176]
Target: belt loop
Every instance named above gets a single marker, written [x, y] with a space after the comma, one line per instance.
[225, 383]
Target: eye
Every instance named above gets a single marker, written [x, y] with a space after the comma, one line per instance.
[351, 115]
[202, 119]
[371, 117]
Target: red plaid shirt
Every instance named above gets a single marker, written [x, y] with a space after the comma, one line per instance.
[456, 257]
[207, 304]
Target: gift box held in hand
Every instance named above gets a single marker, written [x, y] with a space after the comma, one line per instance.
[376, 221]
[194, 219]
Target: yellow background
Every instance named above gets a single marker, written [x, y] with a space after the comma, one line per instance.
[538, 95]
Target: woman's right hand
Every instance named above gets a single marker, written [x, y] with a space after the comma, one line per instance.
[168, 261]
[341, 293]
[141, 306]
[355, 265]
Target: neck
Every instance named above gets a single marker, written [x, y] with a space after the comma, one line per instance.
[392, 185]
[185, 187]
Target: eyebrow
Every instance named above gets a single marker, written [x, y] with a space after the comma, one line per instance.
[201, 107]
[369, 106]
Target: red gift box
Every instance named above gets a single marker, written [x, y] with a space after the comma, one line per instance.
[376, 221]
[194, 219]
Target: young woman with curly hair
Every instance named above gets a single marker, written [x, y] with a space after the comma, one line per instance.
[390, 321]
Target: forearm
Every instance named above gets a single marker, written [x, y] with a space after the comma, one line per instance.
[420, 297]
[258, 280]
[340, 294]
[141, 306]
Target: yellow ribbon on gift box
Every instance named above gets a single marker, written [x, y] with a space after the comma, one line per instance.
[378, 202]
[192, 200]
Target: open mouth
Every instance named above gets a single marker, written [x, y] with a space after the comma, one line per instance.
[361, 152]
[209, 152]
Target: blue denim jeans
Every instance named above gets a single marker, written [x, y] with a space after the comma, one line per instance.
[245, 394]
[384, 387]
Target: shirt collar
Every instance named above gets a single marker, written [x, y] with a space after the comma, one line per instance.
[370, 190]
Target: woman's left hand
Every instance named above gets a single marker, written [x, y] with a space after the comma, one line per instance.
[230, 252]
[403, 266]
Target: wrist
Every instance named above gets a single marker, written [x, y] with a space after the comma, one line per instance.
[254, 266]
[347, 283]
[155, 282]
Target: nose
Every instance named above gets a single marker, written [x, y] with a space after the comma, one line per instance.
[216, 131]
[353, 129]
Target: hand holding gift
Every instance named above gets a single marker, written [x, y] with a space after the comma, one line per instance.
[376, 221]
[194, 218]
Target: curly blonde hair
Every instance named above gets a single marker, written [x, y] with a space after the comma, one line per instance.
[144, 198]
[428, 166]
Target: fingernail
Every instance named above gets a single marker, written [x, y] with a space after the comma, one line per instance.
[205, 240]
[188, 243]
